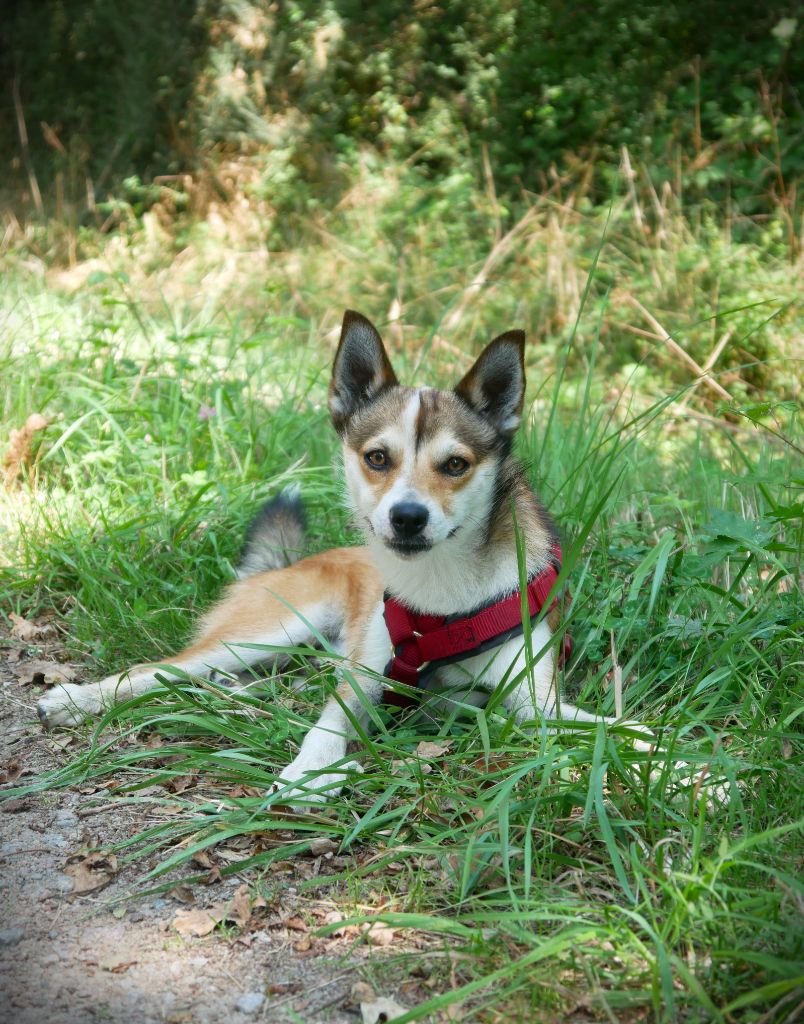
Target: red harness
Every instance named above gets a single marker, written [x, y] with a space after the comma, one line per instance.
[422, 643]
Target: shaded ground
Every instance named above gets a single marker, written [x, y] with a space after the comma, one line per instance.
[68, 957]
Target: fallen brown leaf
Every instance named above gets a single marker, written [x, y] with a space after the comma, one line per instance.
[24, 803]
[182, 893]
[24, 629]
[200, 921]
[239, 909]
[245, 791]
[296, 924]
[429, 751]
[62, 742]
[91, 871]
[11, 772]
[179, 783]
[44, 673]
[231, 856]
[379, 933]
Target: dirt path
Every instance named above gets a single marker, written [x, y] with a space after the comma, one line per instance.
[70, 958]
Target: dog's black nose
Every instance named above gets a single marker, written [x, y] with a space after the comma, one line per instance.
[408, 519]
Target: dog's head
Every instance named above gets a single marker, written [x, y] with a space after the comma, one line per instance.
[422, 464]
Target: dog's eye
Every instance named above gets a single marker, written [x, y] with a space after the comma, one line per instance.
[377, 459]
[455, 466]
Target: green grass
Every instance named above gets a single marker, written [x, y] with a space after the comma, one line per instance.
[566, 869]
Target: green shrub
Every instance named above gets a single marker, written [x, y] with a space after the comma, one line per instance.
[706, 96]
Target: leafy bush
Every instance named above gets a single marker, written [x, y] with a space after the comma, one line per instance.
[707, 100]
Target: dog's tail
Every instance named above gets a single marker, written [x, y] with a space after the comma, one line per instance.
[275, 536]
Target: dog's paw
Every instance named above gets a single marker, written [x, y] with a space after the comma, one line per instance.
[67, 704]
[303, 785]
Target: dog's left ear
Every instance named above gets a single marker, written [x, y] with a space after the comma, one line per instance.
[495, 386]
[361, 369]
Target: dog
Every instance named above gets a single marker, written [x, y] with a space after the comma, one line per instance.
[451, 527]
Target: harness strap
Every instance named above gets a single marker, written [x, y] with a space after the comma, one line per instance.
[422, 642]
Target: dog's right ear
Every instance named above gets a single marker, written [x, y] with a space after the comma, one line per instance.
[361, 369]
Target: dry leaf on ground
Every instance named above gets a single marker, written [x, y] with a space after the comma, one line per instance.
[179, 783]
[199, 921]
[91, 871]
[182, 893]
[11, 772]
[239, 910]
[322, 846]
[381, 1010]
[24, 803]
[379, 933]
[429, 751]
[24, 629]
[44, 673]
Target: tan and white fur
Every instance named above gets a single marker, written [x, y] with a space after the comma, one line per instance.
[434, 486]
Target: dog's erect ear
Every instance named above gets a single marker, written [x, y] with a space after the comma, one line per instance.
[361, 369]
[495, 386]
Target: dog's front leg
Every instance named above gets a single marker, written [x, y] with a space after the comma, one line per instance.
[306, 780]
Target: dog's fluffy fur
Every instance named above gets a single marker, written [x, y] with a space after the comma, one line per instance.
[436, 490]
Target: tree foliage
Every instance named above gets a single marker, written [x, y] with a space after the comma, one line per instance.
[705, 93]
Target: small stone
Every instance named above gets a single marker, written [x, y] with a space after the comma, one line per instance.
[54, 841]
[250, 1002]
[65, 819]
[9, 936]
